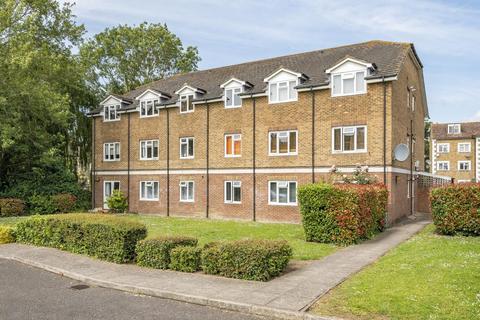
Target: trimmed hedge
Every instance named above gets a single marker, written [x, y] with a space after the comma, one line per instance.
[64, 202]
[186, 259]
[7, 234]
[155, 253]
[456, 209]
[10, 207]
[258, 260]
[101, 236]
[344, 213]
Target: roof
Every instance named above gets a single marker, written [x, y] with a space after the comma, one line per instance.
[468, 130]
[387, 56]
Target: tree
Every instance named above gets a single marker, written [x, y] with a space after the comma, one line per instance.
[43, 91]
[122, 58]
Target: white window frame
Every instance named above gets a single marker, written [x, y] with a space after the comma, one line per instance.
[343, 76]
[110, 144]
[444, 144]
[468, 162]
[106, 112]
[277, 154]
[355, 150]
[452, 128]
[146, 144]
[276, 203]
[466, 150]
[277, 88]
[187, 184]
[235, 91]
[187, 141]
[439, 163]
[188, 97]
[143, 106]
[234, 184]
[235, 137]
[112, 185]
[143, 189]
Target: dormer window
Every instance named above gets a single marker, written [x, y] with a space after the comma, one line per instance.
[110, 112]
[147, 108]
[281, 85]
[232, 97]
[348, 83]
[454, 128]
[186, 103]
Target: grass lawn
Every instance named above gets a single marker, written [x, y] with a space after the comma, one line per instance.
[428, 277]
[214, 230]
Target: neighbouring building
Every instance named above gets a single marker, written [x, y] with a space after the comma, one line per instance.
[237, 141]
[455, 150]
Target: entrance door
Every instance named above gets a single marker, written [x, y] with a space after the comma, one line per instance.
[108, 187]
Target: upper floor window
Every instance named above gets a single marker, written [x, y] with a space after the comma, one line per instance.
[186, 148]
[233, 192]
[443, 147]
[348, 83]
[147, 108]
[464, 147]
[186, 103]
[282, 192]
[187, 189]
[454, 128]
[233, 145]
[111, 151]
[443, 165]
[283, 143]
[232, 97]
[464, 165]
[282, 91]
[149, 191]
[149, 150]
[349, 139]
[110, 112]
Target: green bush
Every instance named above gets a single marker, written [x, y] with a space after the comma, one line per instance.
[342, 214]
[258, 260]
[41, 204]
[456, 209]
[64, 202]
[155, 253]
[101, 236]
[7, 234]
[186, 259]
[117, 202]
[10, 207]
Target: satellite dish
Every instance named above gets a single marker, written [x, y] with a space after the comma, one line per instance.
[401, 152]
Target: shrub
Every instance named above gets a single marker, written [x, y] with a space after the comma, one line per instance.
[10, 207]
[342, 214]
[155, 253]
[117, 202]
[258, 260]
[101, 236]
[7, 234]
[41, 204]
[186, 259]
[456, 209]
[64, 202]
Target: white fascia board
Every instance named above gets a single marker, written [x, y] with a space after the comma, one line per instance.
[158, 94]
[240, 82]
[298, 75]
[366, 65]
[111, 97]
[185, 87]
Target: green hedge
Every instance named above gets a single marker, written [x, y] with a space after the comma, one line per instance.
[7, 234]
[258, 260]
[101, 236]
[155, 253]
[10, 207]
[344, 213]
[64, 202]
[186, 259]
[456, 209]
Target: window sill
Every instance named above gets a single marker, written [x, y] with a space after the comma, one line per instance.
[233, 156]
[149, 200]
[349, 152]
[155, 115]
[111, 120]
[187, 158]
[184, 112]
[233, 107]
[282, 204]
[282, 154]
[146, 159]
[187, 201]
[118, 160]
[232, 202]
[348, 94]
[280, 102]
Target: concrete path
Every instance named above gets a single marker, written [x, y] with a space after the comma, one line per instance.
[284, 297]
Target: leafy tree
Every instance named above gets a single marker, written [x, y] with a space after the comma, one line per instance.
[122, 58]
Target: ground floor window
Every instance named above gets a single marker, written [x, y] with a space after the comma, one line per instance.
[149, 190]
[108, 187]
[282, 192]
[464, 165]
[233, 192]
[187, 191]
[443, 165]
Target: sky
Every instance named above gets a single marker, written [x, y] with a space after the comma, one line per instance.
[446, 35]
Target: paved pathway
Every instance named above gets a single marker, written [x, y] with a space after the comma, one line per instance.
[283, 297]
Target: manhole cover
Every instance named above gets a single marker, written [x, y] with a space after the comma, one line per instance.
[79, 287]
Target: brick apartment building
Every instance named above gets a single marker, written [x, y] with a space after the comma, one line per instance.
[456, 150]
[237, 141]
